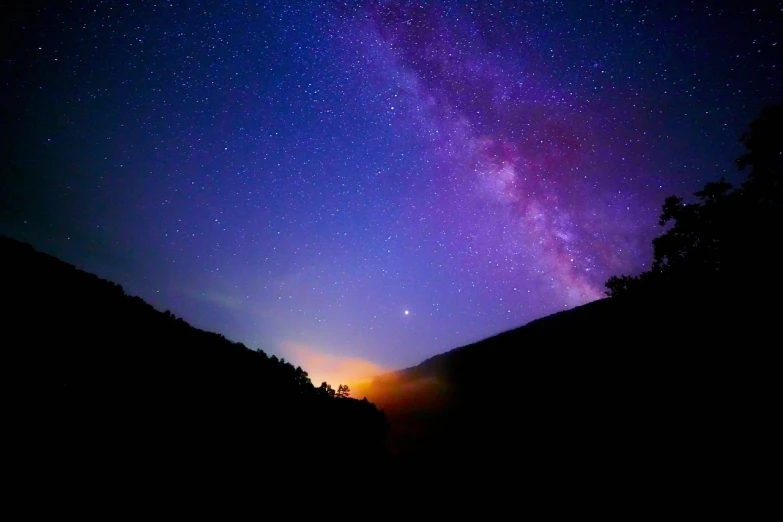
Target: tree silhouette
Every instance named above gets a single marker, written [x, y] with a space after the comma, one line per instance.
[343, 391]
[698, 231]
[726, 236]
[622, 285]
[764, 155]
[326, 390]
[302, 378]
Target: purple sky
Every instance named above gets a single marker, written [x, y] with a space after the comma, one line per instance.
[297, 176]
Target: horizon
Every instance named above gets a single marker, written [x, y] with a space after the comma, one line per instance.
[353, 372]
[358, 188]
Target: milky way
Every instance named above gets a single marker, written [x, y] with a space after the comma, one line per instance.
[515, 158]
[361, 185]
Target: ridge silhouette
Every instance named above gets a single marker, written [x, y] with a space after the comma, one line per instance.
[665, 389]
[110, 396]
[661, 395]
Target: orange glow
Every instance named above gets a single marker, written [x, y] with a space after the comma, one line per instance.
[411, 404]
[397, 392]
[388, 389]
[334, 369]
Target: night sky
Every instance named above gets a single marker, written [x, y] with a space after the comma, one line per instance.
[361, 185]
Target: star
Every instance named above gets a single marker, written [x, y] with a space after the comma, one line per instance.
[288, 212]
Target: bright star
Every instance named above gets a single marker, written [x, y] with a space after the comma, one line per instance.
[406, 312]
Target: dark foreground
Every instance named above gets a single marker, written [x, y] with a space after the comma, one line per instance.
[649, 403]
[621, 402]
[109, 398]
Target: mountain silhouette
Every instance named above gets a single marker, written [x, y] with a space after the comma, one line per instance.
[111, 402]
[664, 390]
[621, 395]
[662, 395]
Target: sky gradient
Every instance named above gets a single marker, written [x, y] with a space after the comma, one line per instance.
[358, 186]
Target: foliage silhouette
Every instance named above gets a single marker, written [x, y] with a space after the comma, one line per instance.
[326, 390]
[725, 238]
[343, 391]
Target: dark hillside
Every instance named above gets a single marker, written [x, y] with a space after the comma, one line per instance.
[105, 388]
[665, 393]
[669, 386]
[621, 397]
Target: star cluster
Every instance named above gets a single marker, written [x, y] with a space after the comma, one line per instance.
[375, 181]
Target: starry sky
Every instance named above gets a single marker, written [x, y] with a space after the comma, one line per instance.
[357, 186]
